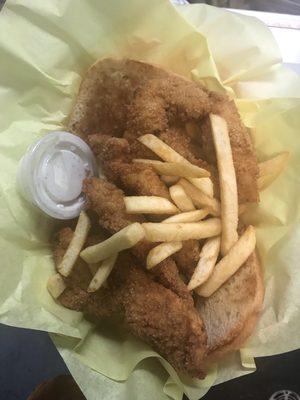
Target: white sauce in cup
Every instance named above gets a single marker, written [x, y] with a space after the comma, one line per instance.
[51, 173]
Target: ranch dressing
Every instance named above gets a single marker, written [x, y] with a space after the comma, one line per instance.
[51, 173]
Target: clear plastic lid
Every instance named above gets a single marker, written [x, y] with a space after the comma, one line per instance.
[51, 173]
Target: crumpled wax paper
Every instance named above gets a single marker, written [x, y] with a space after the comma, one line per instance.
[45, 48]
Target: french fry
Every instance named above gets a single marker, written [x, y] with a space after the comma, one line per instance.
[180, 198]
[200, 199]
[76, 244]
[161, 252]
[102, 273]
[169, 180]
[204, 184]
[56, 285]
[163, 151]
[208, 258]
[230, 263]
[149, 205]
[190, 216]
[181, 169]
[228, 186]
[161, 232]
[124, 239]
[269, 170]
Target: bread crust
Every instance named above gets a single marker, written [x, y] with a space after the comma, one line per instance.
[243, 295]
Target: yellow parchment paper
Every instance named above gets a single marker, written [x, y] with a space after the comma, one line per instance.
[45, 48]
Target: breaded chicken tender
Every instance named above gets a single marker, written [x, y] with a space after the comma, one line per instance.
[108, 148]
[187, 257]
[160, 103]
[139, 179]
[176, 331]
[107, 201]
[105, 93]
[154, 314]
[115, 158]
[180, 142]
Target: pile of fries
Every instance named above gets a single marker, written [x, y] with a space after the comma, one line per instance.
[195, 214]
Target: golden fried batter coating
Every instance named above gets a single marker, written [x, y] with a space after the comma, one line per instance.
[115, 158]
[108, 148]
[160, 103]
[154, 314]
[176, 331]
[107, 201]
[137, 149]
[105, 93]
[124, 99]
[188, 257]
[166, 273]
[75, 295]
[139, 179]
[180, 142]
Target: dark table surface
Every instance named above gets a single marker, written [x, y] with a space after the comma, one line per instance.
[29, 357]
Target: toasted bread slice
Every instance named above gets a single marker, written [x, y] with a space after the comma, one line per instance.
[230, 314]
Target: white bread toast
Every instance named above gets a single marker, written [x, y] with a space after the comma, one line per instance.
[230, 314]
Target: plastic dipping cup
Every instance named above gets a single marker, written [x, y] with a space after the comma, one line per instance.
[51, 173]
